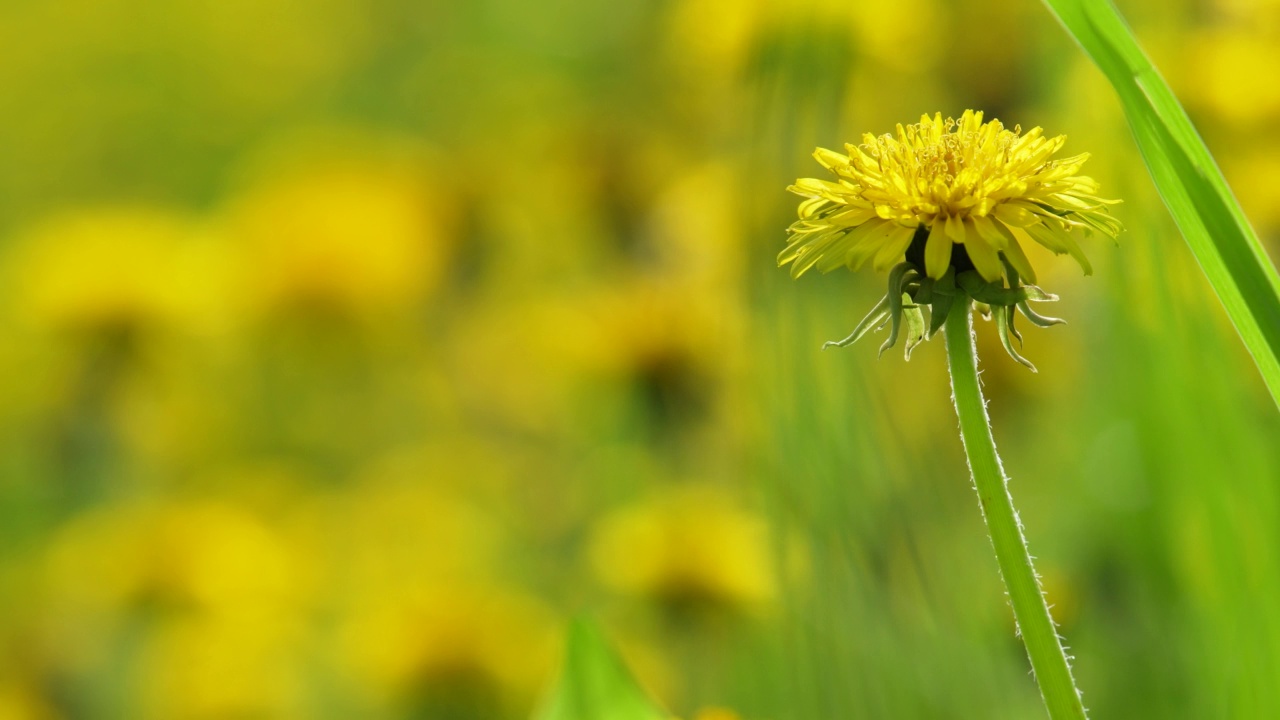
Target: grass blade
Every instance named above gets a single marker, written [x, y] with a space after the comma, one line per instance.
[1188, 180]
[594, 684]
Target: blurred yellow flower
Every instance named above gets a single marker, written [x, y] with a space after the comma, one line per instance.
[208, 559]
[673, 324]
[692, 546]
[378, 538]
[925, 34]
[1226, 74]
[718, 38]
[1252, 174]
[955, 182]
[641, 324]
[219, 556]
[696, 236]
[668, 336]
[414, 583]
[199, 607]
[351, 235]
[202, 667]
[119, 267]
[435, 641]
[715, 37]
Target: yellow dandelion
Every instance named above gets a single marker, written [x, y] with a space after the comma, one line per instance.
[946, 193]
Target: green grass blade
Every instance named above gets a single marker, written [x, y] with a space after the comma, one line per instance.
[594, 684]
[1188, 179]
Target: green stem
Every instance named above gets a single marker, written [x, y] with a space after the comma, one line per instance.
[1039, 634]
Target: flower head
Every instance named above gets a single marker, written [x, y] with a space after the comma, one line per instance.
[947, 205]
[943, 183]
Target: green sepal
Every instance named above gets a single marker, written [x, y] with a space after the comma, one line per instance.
[1032, 292]
[897, 280]
[938, 314]
[984, 292]
[944, 293]
[925, 303]
[1003, 315]
[1013, 330]
[924, 291]
[1037, 319]
[871, 322]
[915, 328]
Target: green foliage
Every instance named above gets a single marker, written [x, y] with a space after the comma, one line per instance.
[594, 684]
[1188, 180]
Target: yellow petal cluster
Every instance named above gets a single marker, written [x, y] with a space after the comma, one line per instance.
[949, 182]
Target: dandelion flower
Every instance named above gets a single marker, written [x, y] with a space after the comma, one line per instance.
[945, 207]
[939, 184]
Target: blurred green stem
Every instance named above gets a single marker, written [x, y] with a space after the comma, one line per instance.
[1039, 634]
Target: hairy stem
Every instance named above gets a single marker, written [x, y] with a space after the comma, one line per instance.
[1044, 647]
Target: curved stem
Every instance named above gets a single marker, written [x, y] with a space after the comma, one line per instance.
[1044, 647]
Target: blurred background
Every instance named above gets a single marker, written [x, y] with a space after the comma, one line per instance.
[352, 347]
